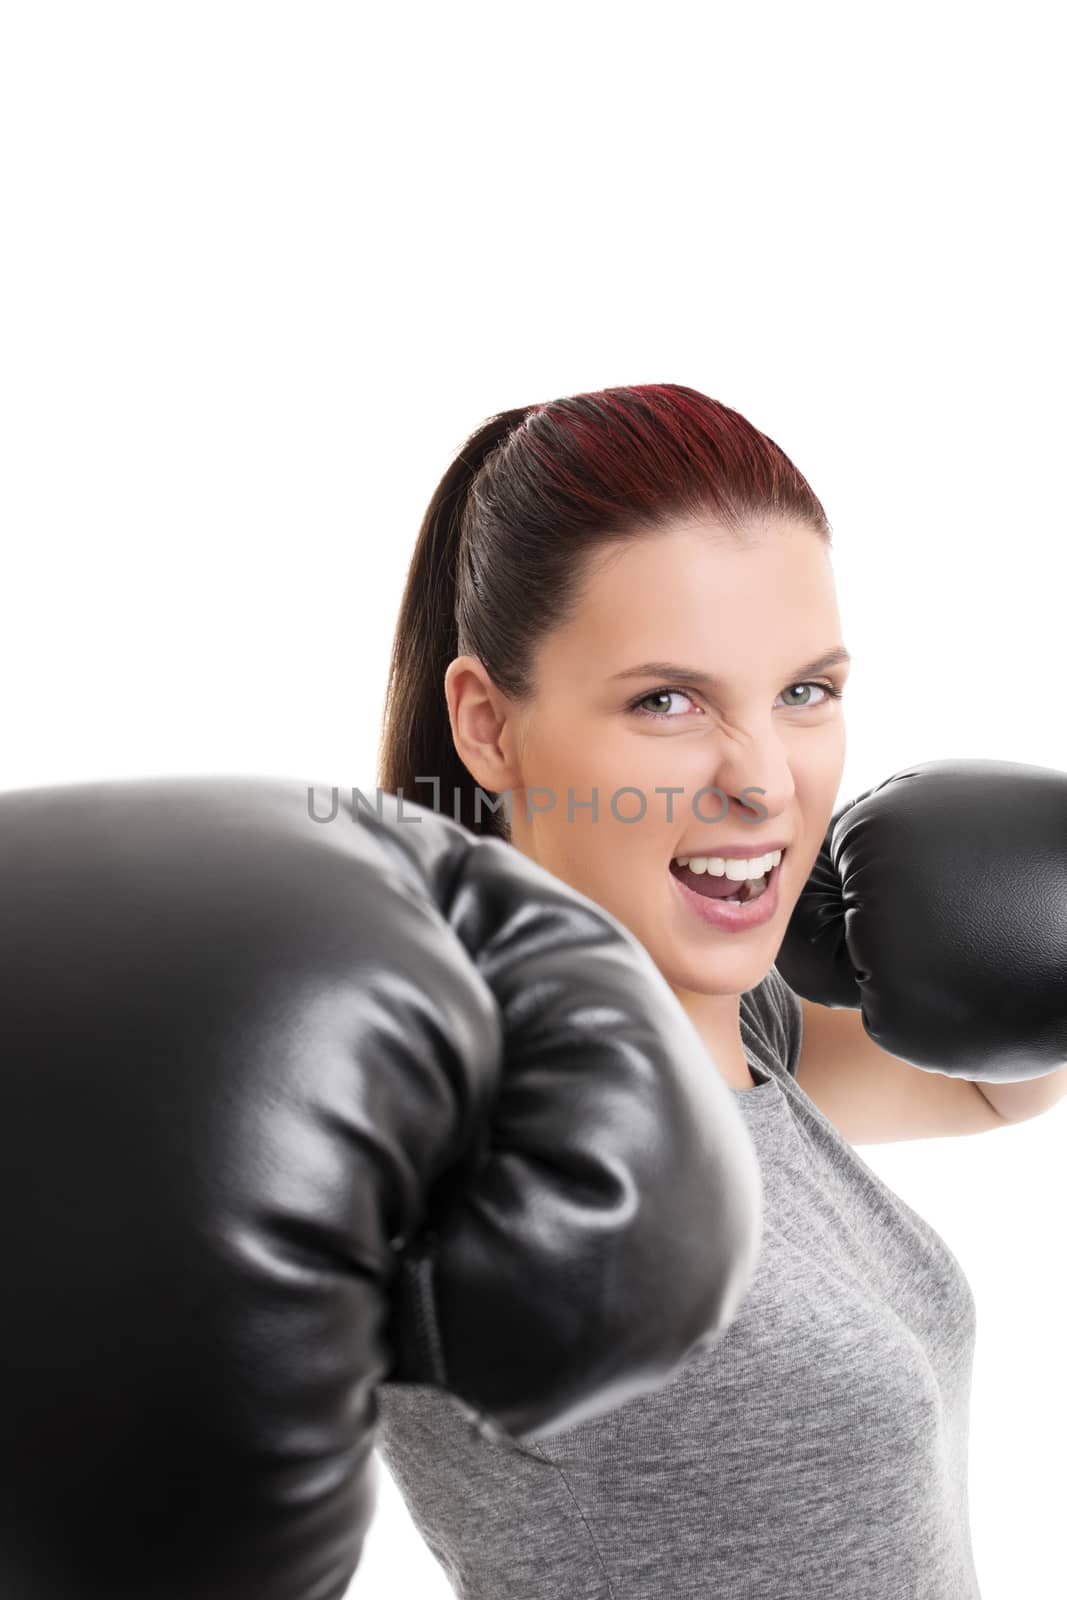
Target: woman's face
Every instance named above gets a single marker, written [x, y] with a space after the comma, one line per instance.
[751, 616]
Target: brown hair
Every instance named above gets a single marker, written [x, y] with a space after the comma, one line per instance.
[501, 552]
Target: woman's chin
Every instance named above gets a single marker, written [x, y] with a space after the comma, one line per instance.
[731, 970]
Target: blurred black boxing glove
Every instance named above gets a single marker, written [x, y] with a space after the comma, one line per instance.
[938, 906]
[290, 1108]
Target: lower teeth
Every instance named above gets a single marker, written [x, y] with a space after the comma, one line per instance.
[751, 889]
[748, 889]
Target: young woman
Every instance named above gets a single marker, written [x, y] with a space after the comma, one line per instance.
[618, 601]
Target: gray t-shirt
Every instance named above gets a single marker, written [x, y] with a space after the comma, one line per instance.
[818, 1450]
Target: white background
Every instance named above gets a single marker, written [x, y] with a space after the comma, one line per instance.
[265, 266]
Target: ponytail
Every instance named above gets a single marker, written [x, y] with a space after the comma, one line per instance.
[416, 745]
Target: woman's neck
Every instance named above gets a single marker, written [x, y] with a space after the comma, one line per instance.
[717, 1019]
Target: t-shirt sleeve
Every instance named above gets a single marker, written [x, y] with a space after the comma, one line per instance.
[772, 1011]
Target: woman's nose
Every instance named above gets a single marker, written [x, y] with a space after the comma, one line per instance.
[753, 776]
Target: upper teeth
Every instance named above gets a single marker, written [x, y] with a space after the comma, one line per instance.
[731, 867]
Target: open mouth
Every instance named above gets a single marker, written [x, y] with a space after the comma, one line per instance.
[713, 883]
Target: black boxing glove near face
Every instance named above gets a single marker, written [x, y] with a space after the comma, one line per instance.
[938, 907]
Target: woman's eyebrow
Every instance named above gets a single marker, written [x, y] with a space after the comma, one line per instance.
[671, 669]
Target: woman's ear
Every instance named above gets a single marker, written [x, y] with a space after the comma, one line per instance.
[484, 725]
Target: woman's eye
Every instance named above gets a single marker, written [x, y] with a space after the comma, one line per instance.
[659, 694]
[829, 690]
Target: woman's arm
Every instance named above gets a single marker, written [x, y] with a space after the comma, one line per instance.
[1019, 1101]
[873, 1097]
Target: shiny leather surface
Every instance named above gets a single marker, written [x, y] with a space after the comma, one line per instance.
[289, 1109]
